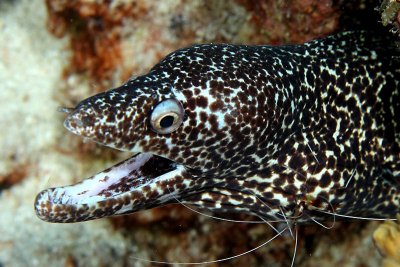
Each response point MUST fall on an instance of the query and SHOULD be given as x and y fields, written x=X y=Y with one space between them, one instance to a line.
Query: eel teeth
x=117 y=190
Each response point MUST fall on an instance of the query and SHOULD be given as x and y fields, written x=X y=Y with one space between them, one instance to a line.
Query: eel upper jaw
x=142 y=181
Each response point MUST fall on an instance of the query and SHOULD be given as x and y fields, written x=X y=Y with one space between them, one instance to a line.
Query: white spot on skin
x=178 y=95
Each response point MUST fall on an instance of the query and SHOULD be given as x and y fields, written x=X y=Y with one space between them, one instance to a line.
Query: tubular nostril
x=65 y=110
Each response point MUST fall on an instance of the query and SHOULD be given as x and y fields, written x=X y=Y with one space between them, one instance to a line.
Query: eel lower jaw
x=139 y=182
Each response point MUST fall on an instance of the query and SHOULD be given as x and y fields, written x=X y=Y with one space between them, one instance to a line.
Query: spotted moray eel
x=273 y=131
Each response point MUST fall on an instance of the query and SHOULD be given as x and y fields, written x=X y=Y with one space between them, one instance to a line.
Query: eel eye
x=167 y=116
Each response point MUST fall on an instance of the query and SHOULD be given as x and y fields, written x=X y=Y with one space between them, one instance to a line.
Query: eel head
x=184 y=150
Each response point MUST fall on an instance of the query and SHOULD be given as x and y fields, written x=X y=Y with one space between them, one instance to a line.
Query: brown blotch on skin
x=296 y=162
x=216 y=105
x=201 y=101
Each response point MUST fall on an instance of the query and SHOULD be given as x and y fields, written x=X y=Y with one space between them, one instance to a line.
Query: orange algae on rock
x=95 y=28
x=293 y=21
x=387 y=240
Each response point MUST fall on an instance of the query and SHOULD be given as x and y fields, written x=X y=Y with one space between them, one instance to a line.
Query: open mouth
x=123 y=188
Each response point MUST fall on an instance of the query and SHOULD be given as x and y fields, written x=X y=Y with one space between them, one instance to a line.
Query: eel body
x=294 y=131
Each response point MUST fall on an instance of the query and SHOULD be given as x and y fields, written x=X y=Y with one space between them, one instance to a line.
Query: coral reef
x=292 y=21
x=110 y=40
x=95 y=29
x=387 y=240
x=390 y=14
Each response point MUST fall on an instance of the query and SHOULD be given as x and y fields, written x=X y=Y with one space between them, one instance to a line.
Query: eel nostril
x=65 y=110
